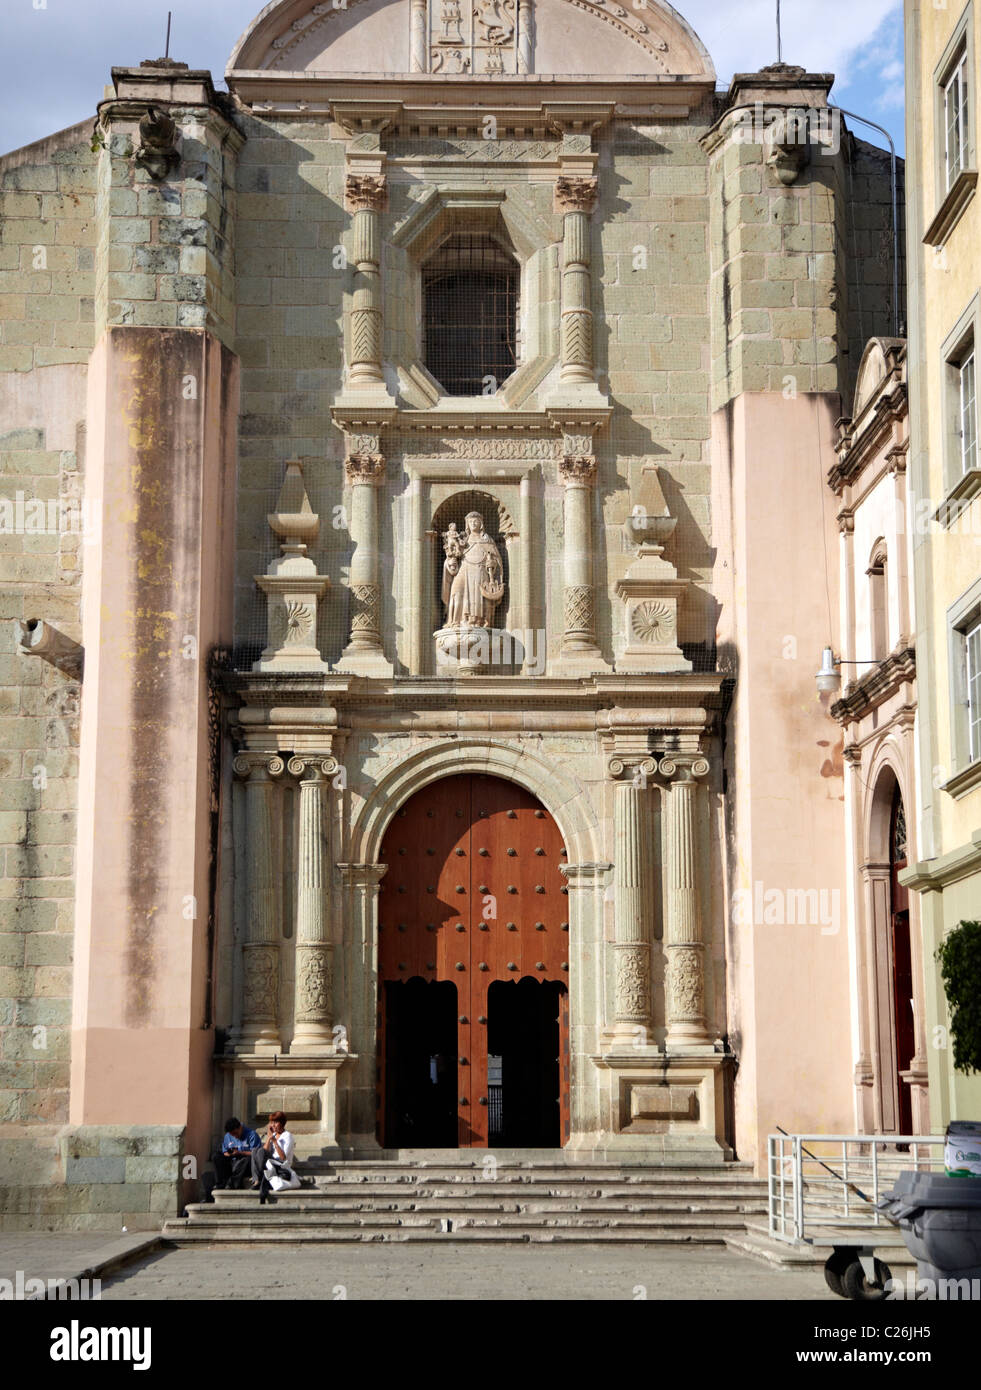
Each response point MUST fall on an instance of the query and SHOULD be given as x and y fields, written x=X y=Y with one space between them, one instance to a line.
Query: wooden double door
x=473 y=956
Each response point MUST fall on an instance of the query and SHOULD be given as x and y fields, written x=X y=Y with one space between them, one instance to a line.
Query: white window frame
x=968 y=408
x=972 y=653
x=957 y=119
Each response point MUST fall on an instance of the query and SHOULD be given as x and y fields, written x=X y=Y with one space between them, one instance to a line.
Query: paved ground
x=463 y=1272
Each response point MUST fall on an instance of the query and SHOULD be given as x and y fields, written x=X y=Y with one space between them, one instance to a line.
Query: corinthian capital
x=575 y=193
x=578 y=470
x=365 y=192
x=364 y=468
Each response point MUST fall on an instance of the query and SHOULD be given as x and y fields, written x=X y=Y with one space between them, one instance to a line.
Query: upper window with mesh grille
x=470 y=314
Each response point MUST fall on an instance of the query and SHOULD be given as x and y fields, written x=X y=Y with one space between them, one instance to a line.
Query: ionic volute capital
x=258 y=767
x=683 y=768
x=632 y=768
x=312 y=770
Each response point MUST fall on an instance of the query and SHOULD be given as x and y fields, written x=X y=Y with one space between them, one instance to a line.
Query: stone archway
x=889 y=951
x=473 y=897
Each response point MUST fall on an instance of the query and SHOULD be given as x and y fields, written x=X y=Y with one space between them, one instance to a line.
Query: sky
x=59 y=52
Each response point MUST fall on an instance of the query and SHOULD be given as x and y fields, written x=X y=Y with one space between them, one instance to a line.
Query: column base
x=357 y=661
x=679 y=1099
x=578 y=661
x=304 y=1087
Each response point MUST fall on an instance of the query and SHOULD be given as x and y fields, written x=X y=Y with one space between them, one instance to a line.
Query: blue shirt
x=246 y=1141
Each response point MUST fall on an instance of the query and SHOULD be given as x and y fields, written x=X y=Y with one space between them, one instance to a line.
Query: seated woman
x=272 y=1165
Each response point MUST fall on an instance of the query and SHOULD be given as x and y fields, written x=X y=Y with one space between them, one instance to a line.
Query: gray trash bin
x=940 y=1218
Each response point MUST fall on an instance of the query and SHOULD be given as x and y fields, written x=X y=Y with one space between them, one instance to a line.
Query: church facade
x=417 y=728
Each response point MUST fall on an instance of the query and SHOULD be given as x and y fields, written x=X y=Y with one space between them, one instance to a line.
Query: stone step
x=326 y=1203
x=181 y=1233
x=513 y=1172
x=283 y=1215
x=475 y=1186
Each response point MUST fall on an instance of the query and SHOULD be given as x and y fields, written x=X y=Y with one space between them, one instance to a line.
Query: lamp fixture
x=828 y=679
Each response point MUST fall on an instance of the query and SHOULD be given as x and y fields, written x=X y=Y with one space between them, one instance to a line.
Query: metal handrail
x=841 y=1185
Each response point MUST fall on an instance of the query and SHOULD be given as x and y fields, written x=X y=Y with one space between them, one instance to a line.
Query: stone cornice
x=858 y=440
x=429 y=102
x=876 y=686
x=933 y=875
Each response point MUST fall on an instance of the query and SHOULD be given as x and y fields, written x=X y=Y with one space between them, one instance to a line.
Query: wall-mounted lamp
x=828 y=679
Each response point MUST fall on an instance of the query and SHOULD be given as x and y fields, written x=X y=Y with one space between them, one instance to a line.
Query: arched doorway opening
x=902 y=963
x=473 y=970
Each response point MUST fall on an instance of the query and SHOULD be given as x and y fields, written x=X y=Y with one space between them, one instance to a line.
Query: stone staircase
x=510 y=1201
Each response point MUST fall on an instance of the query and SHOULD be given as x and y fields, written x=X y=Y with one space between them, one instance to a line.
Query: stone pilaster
x=366 y=198
x=364 y=468
x=314 y=953
x=632 y=898
x=260 y=951
x=576 y=197
x=686 y=1017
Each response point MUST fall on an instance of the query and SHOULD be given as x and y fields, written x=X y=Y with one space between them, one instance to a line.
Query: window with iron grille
x=470 y=314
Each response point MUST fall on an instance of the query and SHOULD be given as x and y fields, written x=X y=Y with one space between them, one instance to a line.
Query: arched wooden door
x=473 y=896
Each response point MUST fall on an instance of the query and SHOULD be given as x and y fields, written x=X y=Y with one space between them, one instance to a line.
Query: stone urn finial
x=292 y=585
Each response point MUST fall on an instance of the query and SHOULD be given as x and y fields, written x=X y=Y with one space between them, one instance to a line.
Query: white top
x=286 y=1144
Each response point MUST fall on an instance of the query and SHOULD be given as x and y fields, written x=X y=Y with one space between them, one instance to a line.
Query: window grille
x=470 y=314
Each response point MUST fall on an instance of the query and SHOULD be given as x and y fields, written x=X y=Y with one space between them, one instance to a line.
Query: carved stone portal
x=473 y=586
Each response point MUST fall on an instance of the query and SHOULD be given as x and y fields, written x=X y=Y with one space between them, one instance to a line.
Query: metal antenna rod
x=170 y=12
x=779 y=36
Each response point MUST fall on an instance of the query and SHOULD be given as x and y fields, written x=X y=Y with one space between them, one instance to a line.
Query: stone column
x=576 y=197
x=524 y=36
x=366 y=197
x=686 y=1017
x=365 y=471
x=418 y=41
x=632 y=898
x=578 y=474
x=314 y=953
x=260 y=951
x=361 y=884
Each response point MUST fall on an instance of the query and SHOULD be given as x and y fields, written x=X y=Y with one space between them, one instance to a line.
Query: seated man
x=233 y=1157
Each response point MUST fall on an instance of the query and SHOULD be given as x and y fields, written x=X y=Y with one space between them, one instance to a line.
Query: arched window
x=879 y=602
x=470 y=314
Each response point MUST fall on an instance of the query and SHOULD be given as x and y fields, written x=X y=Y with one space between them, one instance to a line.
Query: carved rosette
x=653 y=621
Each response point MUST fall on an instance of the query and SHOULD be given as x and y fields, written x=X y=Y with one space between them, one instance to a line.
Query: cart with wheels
x=824 y=1193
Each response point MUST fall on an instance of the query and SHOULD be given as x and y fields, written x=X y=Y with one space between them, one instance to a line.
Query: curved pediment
x=481 y=38
x=876 y=364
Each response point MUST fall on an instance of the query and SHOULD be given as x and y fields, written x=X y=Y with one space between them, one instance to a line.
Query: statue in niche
x=473 y=575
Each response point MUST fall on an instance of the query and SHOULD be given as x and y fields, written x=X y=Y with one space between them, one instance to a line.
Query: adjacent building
x=942 y=52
